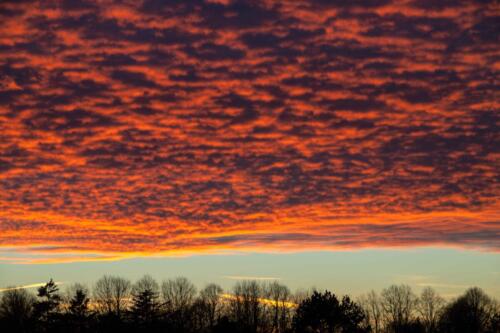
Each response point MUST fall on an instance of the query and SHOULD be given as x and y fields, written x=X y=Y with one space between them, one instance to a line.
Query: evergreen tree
x=79 y=304
x=49 y=300
x=47 y=306
x=145 y=306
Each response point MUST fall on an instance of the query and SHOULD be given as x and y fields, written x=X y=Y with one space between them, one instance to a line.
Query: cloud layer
x=172 y=127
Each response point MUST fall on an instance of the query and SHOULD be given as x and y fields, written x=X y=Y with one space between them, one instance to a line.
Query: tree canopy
x=115 y=304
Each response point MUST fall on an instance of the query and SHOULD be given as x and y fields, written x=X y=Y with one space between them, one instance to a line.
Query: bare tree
x=301 y=295
x=372 y=307
x=493 y=322
x=210 y=296
x=112 y=294
x=398 y=304
x=146 y=283
x=178 y=293
x=103 y=294
x=16 y=307
x=429 y=306
x=245 y=306
x=280 y=298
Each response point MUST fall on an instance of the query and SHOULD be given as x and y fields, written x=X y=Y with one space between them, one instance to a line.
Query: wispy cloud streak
x=28 y=286
x=256 y=278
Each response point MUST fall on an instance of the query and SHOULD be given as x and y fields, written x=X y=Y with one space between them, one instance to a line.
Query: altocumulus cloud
x=177 y=127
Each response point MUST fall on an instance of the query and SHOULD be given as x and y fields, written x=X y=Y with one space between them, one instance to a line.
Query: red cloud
x=247 y=126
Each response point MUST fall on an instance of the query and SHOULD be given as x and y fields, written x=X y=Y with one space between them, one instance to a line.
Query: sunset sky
x=224 y=138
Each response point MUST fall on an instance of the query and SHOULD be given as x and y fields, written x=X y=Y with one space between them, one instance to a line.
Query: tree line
x=115 y=304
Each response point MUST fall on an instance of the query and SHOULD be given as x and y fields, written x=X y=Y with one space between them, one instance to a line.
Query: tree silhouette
x=372 y=307
x=245 y=305
x=472 y=312
x=78 y=309
x=226 y=325
x=494 y=324
x=323 y=313
x=250 y=307
x=111 y=294
x=178 y=295
x=46 y=307
x=16 y=309
x=79 y=304
x=111 y=299
x=145 y=306
x=210 y=297
x=398 y=303
x=279 y=295
x=429 y=305
x=49 y=300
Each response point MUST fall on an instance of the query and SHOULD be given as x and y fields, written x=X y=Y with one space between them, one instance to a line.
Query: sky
x=137 y=132
x=448 y=271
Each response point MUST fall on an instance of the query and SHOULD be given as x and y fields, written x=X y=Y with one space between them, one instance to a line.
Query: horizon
x=380 y=269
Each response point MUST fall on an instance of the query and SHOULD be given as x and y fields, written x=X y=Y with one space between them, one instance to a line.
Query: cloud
x=28 y=286
x=180 y=127
x=256 y=278
x=230 y=297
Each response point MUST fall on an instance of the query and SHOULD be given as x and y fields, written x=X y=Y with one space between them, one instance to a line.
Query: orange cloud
x=230 y=126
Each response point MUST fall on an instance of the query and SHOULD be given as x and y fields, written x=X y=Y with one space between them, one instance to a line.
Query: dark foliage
x=322 y=312
x=472 y=312
x=250 y=307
